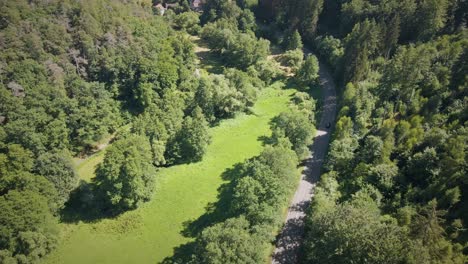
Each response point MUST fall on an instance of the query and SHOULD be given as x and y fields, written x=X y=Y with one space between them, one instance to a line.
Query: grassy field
x=85 y=167
x=150 y=233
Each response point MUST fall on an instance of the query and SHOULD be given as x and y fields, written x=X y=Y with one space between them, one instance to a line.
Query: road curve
x=290 y=239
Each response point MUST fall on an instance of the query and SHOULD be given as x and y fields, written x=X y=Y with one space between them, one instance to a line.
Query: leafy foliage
x=229 y=242
x=125 y=178
x=307 y=75
x=192 y=139
x=400 y=116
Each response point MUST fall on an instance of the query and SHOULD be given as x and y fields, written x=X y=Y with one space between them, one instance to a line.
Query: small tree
x=125 y=178
x=293 y=59
x=294 y=41
x=308 y=73
x=191 y=141
x=297 y=127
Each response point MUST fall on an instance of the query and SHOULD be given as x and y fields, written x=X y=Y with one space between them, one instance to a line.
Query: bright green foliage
x=400 y=118
x=160 y=122
x=246 y=50
x=307 y=75
x=266 y=70
x=305 y=104
x=293 y=58
x=349 y=95
x=426 y=226
x=245 y=84
x=125 y=179
x=266 y=180
x=326 y=194
x=293 y=41
x=191 y=141
x=344 y=128
x=247 y=20
x=218 y=98
x=297 y=127
x=331 y=50
x=188 y=21
x=341 y=153
x=230 y=242
x=219 y=9
x=237 y=49
x=16 y=159
x=259 y=191
x=431 y=17
x=349 y=233
x=181 y=195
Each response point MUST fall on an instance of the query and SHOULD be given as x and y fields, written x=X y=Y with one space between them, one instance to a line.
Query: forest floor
x=150 y=233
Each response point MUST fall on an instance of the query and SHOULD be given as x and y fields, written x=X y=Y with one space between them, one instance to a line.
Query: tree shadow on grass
x=84 y=206
x=266 y=140
x=183 y=254
x=215 y=213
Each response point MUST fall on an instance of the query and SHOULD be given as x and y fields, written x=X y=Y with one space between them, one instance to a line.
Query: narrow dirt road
x=290 y=239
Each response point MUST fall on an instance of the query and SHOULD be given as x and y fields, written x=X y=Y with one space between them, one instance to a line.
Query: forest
x=125 y=79
x=395 y=188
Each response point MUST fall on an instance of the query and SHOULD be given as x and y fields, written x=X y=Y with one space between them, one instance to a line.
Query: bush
x=293 y=41
x=293 y=59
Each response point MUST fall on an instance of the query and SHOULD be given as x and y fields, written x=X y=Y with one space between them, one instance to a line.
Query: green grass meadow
x=150 y=233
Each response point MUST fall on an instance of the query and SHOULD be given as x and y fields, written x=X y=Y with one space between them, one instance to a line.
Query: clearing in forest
x=150 y=233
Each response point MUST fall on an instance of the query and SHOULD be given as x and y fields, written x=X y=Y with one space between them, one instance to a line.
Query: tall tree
x=310 y=17
x=360 y=45
x=294 y=41
x=431 y=17
x=191 y=142
x=125 y=178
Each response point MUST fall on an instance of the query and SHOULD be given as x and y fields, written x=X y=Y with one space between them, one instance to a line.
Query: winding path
x=290 y=239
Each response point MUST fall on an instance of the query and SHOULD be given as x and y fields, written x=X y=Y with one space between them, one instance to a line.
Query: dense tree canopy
x=400 y=114
x=230 y=242
x=76 y=74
